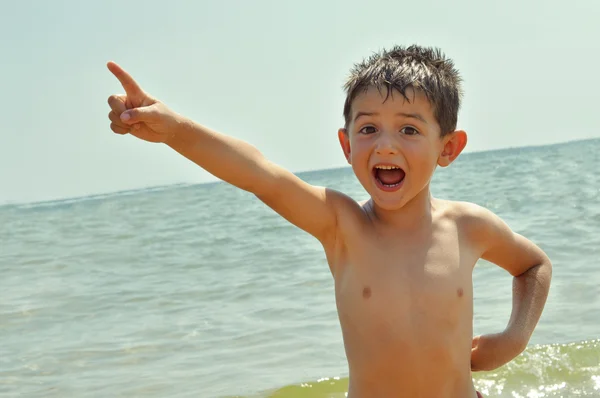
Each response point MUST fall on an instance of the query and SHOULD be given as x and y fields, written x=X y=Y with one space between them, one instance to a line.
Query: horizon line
x=217 y=181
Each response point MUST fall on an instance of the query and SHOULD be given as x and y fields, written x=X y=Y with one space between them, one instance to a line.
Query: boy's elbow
x=265 y=180
x=546 y=265
x=255 y=175
x=548 y=268
x=541 y=272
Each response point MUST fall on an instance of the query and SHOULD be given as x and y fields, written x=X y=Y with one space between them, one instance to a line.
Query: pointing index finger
x=131 y=87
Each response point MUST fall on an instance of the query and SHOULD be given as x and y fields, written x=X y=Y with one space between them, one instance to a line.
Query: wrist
x=176 y=132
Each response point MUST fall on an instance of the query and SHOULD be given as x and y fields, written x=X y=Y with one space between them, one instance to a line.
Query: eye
x=408 y=130
x=367 y=130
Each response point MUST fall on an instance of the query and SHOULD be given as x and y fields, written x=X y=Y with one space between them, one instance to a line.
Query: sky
x=270 y=73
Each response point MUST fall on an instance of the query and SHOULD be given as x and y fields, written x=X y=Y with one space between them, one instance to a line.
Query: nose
x=385 y=145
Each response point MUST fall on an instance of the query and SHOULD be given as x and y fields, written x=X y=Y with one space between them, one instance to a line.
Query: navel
x=366 y=292
x=460 y=292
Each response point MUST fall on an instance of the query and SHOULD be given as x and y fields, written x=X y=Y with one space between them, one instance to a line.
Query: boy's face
x=394 y=145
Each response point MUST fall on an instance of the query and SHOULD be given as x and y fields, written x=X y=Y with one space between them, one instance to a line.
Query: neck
x=411 y=215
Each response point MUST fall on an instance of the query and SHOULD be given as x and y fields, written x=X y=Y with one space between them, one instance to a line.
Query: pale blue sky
x=270 y=72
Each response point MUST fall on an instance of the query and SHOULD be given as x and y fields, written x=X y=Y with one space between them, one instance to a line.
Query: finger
x=137 y=115
x=118 y=103
x=113 y=117
x=474 y=360
x=129 y=84
x=119 y=129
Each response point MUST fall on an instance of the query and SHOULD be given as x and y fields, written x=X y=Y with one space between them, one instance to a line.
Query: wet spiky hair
x=420 y=68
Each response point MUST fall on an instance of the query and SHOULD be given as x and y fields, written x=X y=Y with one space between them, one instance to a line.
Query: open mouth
x=388 y=177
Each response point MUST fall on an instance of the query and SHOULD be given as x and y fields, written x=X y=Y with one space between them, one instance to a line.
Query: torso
x=405 y=306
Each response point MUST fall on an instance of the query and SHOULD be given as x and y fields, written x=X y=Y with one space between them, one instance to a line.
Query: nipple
x=366 y=292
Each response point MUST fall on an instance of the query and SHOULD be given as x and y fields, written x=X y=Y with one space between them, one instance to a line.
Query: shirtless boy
x=402 y=261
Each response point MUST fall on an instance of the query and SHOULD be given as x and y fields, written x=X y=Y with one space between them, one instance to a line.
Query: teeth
x=386 y=167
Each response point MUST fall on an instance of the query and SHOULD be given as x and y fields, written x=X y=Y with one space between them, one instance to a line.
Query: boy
x=402 y=261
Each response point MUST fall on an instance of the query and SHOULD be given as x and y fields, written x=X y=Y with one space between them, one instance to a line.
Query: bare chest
x=404 y=284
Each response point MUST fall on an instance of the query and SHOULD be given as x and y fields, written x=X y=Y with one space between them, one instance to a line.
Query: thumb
x=137 y=115
x=475 y=356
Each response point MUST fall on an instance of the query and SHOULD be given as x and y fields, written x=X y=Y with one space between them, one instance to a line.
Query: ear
x=345 y=143
x=453 y=144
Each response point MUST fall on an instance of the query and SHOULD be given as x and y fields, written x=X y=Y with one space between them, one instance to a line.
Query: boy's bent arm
x=526 y=262
x=237 y=162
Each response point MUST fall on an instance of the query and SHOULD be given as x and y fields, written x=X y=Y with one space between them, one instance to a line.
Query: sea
x=203 y=291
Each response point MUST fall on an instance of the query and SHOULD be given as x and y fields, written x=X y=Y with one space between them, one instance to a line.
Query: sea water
x=203 y=291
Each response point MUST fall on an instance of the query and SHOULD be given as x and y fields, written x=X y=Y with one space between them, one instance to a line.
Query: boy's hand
x=491 y=351
x=138 y=113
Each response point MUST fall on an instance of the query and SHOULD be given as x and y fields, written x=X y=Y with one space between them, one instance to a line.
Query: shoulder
x=350 y=217
x=342 y=204
x=477 y=223
x=346 y=209
x=470 y=214
x=495 y=241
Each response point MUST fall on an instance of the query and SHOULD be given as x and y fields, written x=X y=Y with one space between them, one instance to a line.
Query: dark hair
x=416 y=67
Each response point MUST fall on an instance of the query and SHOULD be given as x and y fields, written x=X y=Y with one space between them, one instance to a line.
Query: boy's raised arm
x=309 y=207
x=232 y=160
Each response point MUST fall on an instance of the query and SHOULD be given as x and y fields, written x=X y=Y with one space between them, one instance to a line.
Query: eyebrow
x=409 y=115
